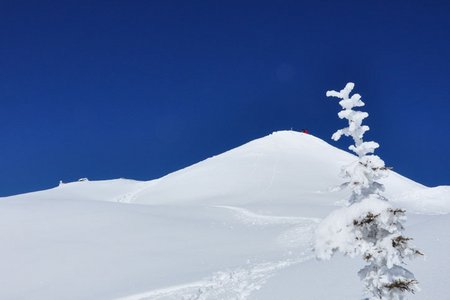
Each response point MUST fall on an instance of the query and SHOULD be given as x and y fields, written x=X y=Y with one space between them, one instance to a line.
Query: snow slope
x=235 y=226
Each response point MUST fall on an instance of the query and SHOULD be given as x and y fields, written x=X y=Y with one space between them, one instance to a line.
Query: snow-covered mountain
x=235 y=226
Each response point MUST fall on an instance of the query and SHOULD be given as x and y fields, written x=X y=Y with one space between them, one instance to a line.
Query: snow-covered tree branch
x=369 y=227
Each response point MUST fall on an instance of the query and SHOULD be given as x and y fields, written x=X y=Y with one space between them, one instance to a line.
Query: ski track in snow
x=252 y=218
x=126 y=198
x=131 y=196
x=238 y=284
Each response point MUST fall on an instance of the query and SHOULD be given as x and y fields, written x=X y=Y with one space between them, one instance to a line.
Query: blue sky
x=138 y=89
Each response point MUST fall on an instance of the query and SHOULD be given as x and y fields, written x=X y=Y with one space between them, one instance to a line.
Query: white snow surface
x=239 y=225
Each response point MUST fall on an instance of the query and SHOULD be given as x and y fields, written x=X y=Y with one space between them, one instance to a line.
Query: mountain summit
x=284 y=167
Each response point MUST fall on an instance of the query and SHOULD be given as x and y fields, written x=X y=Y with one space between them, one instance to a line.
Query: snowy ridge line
x=236 y=284
x=252 y=218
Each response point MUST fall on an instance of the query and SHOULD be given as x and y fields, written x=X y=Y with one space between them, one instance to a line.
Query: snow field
x=239 y=225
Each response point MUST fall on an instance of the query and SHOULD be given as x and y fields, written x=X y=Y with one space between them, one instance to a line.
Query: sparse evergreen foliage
x=369 y=227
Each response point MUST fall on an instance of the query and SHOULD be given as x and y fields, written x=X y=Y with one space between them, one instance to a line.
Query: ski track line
x=236 y=284
x=252 y=218
x=131 y=196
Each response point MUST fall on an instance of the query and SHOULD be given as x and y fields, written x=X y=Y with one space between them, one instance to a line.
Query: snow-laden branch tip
x=344 y=93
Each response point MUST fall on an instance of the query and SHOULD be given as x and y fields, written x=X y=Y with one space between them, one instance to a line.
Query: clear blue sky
x=138 y=89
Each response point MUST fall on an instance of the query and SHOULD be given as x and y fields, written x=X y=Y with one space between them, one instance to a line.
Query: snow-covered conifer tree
x=369 y=226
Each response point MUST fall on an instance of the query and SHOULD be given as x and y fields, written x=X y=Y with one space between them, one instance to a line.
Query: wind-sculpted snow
x=236 y=226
